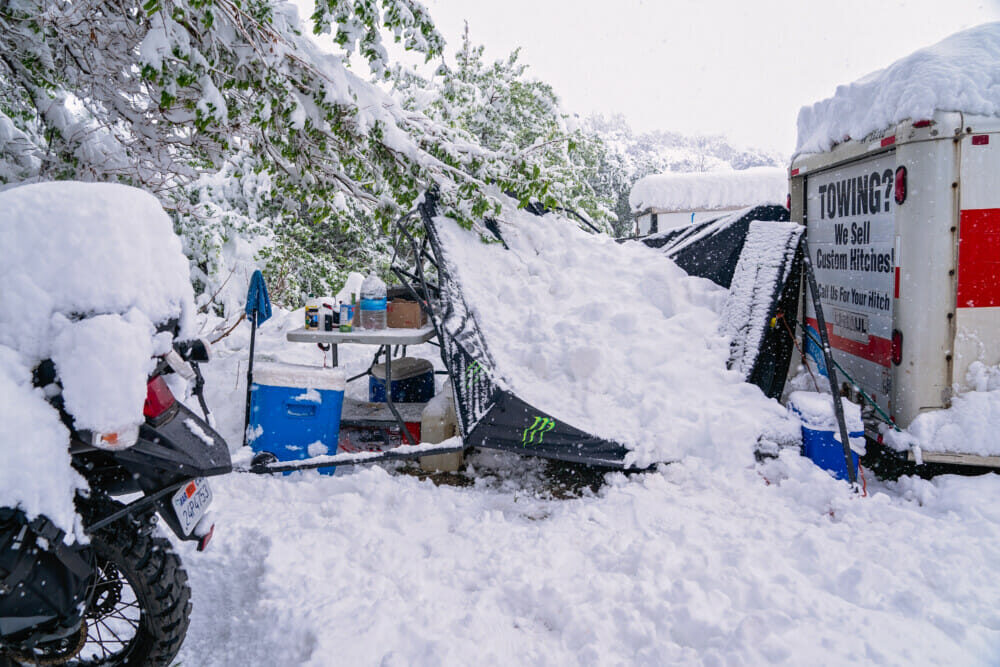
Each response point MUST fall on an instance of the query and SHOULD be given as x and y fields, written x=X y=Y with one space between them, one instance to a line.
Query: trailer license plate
x=191 y=502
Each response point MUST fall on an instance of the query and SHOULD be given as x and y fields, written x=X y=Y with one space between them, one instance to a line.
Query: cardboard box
x=405 y=315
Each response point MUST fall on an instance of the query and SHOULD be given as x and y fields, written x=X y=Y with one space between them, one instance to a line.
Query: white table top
x=362 y=336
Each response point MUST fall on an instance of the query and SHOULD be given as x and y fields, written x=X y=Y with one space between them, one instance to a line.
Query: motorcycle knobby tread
x=161 y=585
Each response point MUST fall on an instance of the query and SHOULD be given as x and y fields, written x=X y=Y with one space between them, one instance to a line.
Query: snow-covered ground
x=695 y=563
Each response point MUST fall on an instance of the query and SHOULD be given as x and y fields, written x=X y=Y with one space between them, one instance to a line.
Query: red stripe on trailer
x=980 y=139
x=979 y=258
x=889 y=141
x=877 y=350
x=795 y=172
x=896 y=287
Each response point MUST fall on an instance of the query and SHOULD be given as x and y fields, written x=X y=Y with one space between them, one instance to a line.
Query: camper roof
x=709 y=191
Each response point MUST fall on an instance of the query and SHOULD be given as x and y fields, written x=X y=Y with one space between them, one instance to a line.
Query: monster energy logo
x=472 y=372
x=540 y=427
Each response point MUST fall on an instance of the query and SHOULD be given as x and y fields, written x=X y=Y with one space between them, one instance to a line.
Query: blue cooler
x=295 y=410
x=821 y=434
x=412 y=381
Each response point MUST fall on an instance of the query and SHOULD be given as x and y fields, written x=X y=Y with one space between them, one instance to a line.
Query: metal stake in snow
x=258 y=310
x=831 y=371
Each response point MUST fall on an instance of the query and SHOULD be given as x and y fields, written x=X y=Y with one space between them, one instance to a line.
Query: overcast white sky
x=737 y=67
x=741 y=68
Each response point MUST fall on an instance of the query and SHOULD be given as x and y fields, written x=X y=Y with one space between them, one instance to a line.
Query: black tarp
x=711 y=249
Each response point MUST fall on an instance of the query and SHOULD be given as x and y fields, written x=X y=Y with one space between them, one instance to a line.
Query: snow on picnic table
x=696 y=563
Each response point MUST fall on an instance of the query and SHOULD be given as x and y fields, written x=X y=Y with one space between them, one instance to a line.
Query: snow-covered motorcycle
x=123 y=598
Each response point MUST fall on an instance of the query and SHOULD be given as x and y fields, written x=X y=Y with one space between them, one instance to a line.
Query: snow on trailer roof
x=712 y=191
x=959 y=73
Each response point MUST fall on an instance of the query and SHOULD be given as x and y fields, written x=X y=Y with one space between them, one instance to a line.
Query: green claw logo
x=472 y=372
x=540 y=427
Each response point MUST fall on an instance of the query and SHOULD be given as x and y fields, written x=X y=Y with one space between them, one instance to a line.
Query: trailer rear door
x=850 y=221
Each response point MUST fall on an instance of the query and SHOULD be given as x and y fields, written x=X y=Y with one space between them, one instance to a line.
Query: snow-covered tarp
x=715 y=190
x=712 y=249
x=959 y=73
x=611 y=338
x=87 y=272
x=765 y=265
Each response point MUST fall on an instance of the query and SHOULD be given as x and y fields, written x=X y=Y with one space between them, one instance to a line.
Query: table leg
x=388 y=397
x=333 y=354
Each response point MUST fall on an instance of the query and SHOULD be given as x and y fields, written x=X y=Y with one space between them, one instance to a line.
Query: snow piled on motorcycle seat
x=614 y=339
x=959 y=73
x=87 y=270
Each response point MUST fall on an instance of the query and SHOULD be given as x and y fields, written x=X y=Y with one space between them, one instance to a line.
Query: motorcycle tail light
x=206 y=538
x=158 y=398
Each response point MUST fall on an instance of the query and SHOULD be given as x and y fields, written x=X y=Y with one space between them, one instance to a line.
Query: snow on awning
x=712 y=191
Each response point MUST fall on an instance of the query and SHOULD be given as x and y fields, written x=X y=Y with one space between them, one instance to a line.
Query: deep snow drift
x=611 y=338
x=87 y=270
x=696 y=563
x=713 y=190
x=959 y=73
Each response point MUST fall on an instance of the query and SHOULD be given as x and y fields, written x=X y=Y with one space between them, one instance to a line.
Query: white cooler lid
x=298 y=376
x=816 y=411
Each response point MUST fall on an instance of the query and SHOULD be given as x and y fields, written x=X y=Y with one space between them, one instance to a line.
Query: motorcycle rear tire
x=153 y=570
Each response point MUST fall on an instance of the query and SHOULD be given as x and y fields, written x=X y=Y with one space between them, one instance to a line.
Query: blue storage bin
x=412 y=381
x=820 y=431
x=295 y=410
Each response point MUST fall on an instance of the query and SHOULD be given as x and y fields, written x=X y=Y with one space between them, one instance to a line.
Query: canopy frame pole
x=831 y=369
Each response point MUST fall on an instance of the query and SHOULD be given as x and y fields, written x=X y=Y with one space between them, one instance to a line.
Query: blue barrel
x=821 y=433
x=412 y=381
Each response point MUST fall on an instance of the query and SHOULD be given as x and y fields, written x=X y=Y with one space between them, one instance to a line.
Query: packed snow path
x=696 y=563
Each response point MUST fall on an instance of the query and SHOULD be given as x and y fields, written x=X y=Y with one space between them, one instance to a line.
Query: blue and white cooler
x=295 y=410
x=821 y=434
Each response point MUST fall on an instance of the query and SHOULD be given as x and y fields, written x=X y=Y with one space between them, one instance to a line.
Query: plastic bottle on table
x=373 y=303
x=313 y=316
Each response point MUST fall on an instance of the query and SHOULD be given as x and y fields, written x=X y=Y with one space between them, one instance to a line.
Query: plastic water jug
x=373 y=303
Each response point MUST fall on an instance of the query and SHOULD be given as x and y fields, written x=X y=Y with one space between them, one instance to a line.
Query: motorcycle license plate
x=191 y=502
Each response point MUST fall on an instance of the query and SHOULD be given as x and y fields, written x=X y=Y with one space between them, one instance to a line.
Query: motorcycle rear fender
x=181 y=447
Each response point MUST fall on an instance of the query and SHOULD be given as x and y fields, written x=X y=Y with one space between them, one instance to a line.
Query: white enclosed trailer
x=903 y=231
